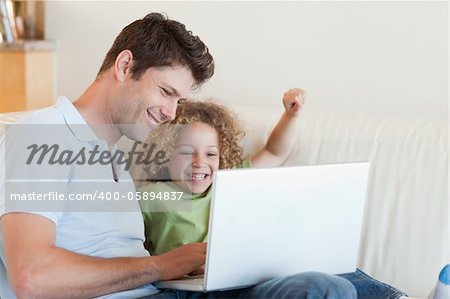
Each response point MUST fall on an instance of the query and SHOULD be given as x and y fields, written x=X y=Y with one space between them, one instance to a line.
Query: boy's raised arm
x=284 y=135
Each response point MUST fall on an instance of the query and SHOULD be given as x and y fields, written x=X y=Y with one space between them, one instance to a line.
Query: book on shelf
x=7 y=21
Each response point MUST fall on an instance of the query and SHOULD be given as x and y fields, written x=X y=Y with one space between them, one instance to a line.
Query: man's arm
x=284 y=135
x=38 y=269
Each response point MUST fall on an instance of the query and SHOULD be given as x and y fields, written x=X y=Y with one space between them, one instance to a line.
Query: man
x=153 y=64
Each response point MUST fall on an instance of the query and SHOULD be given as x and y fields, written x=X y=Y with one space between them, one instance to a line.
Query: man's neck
x=93 y=107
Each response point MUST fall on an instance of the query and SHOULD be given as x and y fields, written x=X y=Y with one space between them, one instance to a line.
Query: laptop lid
x=266 y=223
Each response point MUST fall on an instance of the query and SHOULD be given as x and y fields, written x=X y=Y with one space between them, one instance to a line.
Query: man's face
x=141 y=105
x=195 y=158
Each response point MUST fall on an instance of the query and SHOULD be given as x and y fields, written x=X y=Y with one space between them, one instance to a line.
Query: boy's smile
x=195 y=158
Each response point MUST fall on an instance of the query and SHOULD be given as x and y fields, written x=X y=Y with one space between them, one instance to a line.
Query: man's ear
x=124 y=62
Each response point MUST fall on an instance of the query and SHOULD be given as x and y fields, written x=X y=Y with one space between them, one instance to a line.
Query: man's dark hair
x=156 y=41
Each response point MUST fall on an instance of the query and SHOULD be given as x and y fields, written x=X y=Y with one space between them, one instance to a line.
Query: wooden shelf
x=27 y=77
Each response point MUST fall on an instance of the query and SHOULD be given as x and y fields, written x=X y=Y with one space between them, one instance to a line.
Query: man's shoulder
x=46 y=116
x=56 y=114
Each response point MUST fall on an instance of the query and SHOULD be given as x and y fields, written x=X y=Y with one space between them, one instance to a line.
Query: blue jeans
x=370 y=288
x=308 y=285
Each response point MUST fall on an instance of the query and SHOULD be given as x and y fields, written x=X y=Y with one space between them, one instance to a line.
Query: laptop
x=267 y=223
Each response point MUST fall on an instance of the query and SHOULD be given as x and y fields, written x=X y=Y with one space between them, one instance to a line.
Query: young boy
x=208 y=141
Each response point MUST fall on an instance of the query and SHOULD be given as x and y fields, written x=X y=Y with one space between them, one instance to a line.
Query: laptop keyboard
x=192 y=277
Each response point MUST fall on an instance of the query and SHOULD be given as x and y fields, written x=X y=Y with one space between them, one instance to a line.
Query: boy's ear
x=123 y=65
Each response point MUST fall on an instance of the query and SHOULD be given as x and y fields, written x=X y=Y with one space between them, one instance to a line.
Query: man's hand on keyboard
x=180 y=261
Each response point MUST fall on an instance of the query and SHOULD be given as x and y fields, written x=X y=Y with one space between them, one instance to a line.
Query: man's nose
x=169 y=110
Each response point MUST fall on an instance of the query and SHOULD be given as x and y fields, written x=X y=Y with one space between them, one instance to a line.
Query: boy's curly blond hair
x=223 y=120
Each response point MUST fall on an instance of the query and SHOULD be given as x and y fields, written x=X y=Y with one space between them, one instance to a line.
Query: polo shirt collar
x=75 y=120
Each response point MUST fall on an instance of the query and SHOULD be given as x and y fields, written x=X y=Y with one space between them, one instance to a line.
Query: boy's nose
x=198 y=161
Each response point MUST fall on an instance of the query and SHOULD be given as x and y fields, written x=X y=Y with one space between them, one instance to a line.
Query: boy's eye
x=212 y=154
x=186 y=153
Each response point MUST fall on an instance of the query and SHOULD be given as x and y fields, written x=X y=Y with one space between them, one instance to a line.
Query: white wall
x=380 y=57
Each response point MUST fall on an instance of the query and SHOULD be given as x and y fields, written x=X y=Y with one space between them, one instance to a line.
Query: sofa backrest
x=406 y=229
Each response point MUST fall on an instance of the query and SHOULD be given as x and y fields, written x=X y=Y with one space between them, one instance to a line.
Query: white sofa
x=406 y=229
x=405 y=233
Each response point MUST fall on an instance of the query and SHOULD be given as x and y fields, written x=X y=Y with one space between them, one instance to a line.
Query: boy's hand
x=293 y=101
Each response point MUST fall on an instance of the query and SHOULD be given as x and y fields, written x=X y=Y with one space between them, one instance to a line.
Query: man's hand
x=43 y=270
x=180 y=261
x=293 y=101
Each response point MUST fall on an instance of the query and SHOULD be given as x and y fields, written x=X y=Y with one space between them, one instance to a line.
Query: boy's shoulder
x=246 y=163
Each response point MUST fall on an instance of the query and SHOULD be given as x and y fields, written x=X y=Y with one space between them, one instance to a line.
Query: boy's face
x=195 y=158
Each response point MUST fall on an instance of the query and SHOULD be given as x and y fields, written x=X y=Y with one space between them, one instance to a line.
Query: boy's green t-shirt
x=165 y=231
